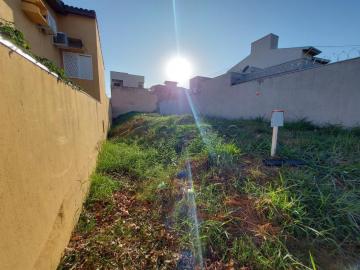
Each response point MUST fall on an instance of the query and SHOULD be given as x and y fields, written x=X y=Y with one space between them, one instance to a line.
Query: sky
x=139 y=37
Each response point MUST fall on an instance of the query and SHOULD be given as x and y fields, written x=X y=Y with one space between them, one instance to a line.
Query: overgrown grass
x=249 y=215
x=130 y=160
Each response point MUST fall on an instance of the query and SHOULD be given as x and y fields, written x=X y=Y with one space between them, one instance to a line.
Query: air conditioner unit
x=61 y=40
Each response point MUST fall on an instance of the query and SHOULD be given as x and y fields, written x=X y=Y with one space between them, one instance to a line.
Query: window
x=78 y=66
x=119 y=83
x=51 y=23
x=141 y=85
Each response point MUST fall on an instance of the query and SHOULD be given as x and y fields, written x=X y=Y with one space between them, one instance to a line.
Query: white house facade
x=123 y=79
x=266 y=53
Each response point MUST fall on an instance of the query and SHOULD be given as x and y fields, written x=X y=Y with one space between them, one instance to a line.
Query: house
x=266 y=53
x=266 y=59
x=66 y=35
x=123 y=79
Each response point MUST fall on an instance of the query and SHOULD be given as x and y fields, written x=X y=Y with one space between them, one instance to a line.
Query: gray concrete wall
x=129 y=99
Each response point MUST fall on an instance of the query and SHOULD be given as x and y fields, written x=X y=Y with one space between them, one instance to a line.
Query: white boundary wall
x=328 y=94
x=131 y=99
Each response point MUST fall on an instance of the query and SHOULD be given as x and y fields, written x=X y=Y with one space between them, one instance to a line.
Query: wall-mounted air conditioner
x=61 y=40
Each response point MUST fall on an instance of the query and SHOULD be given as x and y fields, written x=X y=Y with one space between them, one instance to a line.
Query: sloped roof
x=61 y=8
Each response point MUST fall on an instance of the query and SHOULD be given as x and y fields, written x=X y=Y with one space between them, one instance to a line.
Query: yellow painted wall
x=41 y=44
x=49 y=139
x=101 y=65
x=85 y=29
x=75 y=26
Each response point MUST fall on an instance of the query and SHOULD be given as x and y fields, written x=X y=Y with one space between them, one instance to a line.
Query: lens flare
x=179 y=69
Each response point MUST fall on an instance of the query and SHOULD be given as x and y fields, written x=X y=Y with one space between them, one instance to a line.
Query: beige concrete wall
x=325 y=94
x=178 y=106
x=49 y=139
x=173 y=100
x=129 y=99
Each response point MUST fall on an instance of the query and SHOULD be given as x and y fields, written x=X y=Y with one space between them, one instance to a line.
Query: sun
x=179 y=69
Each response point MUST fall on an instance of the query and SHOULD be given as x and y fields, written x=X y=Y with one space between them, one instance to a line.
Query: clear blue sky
x=138 y=35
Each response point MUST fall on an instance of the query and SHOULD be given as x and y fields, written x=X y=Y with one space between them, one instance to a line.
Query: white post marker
x=277 y=120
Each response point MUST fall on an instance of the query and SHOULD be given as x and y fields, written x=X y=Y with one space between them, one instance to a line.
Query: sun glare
x=179 y=69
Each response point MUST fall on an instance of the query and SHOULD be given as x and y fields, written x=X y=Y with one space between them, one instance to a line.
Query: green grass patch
x=129 y=160
x=102 y=188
